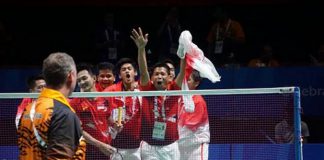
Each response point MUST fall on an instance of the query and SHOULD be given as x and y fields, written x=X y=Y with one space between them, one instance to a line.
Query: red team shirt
x=129 y=137
x=98 y=87
x=94 y=117
x=196 y=119
x=171 y=115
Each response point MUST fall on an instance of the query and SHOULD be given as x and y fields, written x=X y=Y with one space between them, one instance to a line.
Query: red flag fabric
x=195 y=59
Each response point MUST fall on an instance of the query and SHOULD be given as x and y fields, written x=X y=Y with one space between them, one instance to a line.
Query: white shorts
x=126 y=154
x=194 y=152
x=152 y=152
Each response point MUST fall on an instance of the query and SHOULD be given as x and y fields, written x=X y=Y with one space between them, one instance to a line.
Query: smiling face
x=86 y=81
x=160 y=78
x=127 y=73
x=172 y=71
x=39 y=86
x=106 y=78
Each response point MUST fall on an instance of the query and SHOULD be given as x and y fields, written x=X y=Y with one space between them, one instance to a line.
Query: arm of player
x=115 y=129
x=181 y=73
x=104 y=148
x=141 y=40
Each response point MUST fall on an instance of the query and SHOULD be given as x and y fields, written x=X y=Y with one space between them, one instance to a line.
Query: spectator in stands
x=94 y=114
x=194 y=135
x=106 y=76
x=109 y=40
x=265 y=58
x=49 y=128
x=126 y=136
x=225 y=39
x=284 y=130
x=168 y=35
x=35 y=85
x=160 y=127
x=318 y=58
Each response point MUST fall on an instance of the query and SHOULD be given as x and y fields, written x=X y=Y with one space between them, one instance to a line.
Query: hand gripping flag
x=195 y=59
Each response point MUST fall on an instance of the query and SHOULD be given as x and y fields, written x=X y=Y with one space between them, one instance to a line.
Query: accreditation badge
x=173 y=48
x=218 y=47
x=112 y=53
x=115 y=114
x=159 y=130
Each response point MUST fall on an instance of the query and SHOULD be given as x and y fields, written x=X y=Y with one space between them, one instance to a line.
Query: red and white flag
x=195 y=59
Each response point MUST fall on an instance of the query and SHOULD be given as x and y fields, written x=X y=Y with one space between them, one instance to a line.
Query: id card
x=112 y=53
x=159 y=130
x=218 y=47
x=115 y=114
x=173 y=48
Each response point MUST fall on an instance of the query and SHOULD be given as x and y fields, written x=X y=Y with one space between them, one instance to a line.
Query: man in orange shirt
x=49 y=128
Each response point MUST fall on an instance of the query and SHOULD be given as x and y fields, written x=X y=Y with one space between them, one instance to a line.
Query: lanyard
x=38 y=137
x=170 y=33
x=107 y=34
x=156 y=110
x=134 y=98
x=133 y=104
x=226 y=29
x=19 y=114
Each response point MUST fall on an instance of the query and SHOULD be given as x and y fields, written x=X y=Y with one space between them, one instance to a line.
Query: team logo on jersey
x=101 y=107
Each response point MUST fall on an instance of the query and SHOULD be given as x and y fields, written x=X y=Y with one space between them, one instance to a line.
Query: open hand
x=139 y=39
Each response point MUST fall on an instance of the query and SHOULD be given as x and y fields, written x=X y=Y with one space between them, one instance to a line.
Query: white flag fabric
x=195 y=59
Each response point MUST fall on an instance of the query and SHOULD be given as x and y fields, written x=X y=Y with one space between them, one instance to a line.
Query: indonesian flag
x=195 y=59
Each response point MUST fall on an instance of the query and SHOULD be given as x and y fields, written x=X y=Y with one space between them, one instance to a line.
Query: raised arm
x=181 y=73
x=141 y=40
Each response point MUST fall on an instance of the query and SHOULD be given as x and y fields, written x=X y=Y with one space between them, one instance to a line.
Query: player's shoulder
x=44 y=104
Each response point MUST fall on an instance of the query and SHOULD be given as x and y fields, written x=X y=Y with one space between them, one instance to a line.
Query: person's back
x=49 y=128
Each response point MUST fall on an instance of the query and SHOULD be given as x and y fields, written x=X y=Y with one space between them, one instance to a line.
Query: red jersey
x=129 y=137
x=99 y=88
x=194 y=127
x=94 y=117
x=170 y=105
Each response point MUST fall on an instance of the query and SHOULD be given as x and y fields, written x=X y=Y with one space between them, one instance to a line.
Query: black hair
x=159 y=64
x=123 y=61
x=105 y=65
x=168 y=61
x=196 y=76
x=32 y=79
x=86 y=66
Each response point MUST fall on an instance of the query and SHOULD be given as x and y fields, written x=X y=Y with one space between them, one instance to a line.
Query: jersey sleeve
x=64 y=133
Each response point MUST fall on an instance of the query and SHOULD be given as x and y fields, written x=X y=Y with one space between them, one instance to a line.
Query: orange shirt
x=232 y=29
x=57 y=125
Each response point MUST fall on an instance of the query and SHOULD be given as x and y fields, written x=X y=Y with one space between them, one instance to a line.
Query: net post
x=297 y=124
